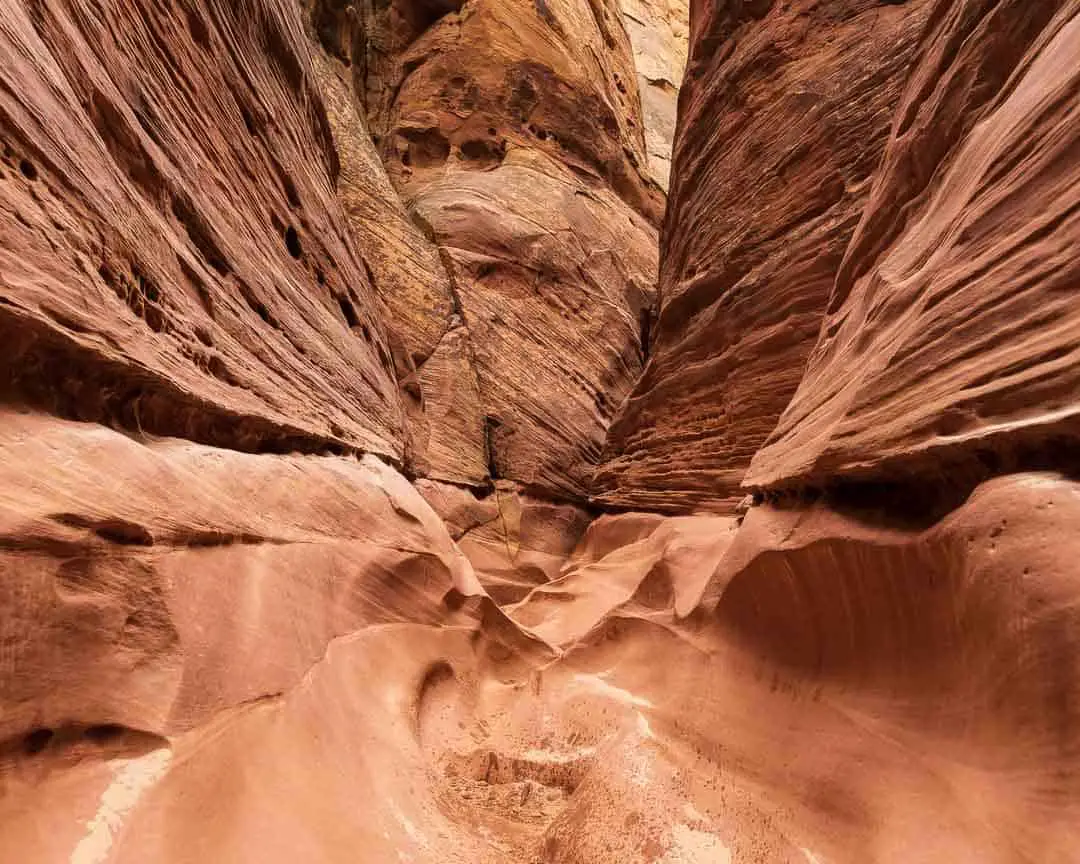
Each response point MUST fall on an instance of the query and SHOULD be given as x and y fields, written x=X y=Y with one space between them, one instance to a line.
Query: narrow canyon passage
x=539 y=431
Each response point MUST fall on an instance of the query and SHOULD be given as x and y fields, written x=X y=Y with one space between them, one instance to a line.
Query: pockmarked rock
x=514 y=133
x=174 y=257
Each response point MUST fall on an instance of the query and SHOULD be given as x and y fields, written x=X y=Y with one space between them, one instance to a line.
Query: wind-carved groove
x=121 y=532
x=915 y=492
x=35 y=372
x=116 y=531
x=109 y=740
x=199 y=233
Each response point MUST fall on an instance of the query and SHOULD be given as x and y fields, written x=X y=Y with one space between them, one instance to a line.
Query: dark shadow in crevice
x=917 y=492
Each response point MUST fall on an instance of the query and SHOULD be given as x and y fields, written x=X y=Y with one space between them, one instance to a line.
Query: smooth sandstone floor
x=800 y=687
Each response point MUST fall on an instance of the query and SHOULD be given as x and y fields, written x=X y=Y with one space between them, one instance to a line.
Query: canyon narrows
x=443 y=431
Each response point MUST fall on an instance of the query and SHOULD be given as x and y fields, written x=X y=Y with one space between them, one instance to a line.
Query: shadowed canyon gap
x=442 y=431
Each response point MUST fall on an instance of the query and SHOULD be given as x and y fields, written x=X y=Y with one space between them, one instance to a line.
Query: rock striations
x=174 y=257
x=390 y=471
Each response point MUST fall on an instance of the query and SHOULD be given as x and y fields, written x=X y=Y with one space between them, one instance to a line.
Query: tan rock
x=553 y=318
x=658 y=31
x=433 y=362
x=514 y=132
x=513 y=540
x=213 y=655
x=627 y=564
x=154 y=585
x=557 y=77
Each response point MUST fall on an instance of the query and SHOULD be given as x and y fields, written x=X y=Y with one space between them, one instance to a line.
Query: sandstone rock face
x=427 y=338
x=513 y=540
x=554 y=321
x=953 y=327
x=514 y=133
x=786 y=112
x=658 y=34
x=138 y=594
x=216 y=648
x=169 y=229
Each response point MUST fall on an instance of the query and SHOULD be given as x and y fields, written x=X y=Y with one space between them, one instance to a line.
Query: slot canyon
x=539 y=431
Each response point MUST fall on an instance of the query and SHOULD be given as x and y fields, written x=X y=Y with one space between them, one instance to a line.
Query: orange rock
x=174 y=257
x=435 y=651
x=952 y=328
x=514 y=132
x=785 y=114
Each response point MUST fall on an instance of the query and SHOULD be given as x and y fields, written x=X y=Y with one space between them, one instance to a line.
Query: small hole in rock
x=348 y=311
x=103 y=733
x=406 y=159
x=291 y=193
x=249 y=120
x=292 y=242
x=37 y=741
x=28 y=170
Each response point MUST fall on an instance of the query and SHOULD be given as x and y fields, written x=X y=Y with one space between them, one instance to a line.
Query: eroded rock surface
x=514 y=133
x=174 y=258
x=137 y=592
x=786 y=112
x=438 y=650
x=953 y=329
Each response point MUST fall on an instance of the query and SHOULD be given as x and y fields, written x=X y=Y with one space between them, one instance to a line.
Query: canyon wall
x=857 y=189
x=388 y=469
x=174 y=257
x=514 y=135
x=786 y=113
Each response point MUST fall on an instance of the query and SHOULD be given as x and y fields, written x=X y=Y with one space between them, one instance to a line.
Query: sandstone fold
x=513 y=541
x=174 y=257
x=154 y=585
x=362 y=496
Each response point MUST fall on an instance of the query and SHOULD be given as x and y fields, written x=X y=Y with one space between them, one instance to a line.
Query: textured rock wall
x=861 y=177
x=214 y=655
x=786 y=110
x=952 y=334
x=174 y=257
x=514 y=134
